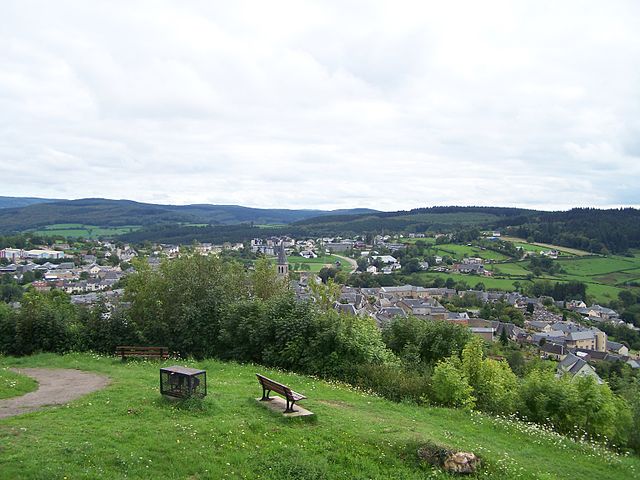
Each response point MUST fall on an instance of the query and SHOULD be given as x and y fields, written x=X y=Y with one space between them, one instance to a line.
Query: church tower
x=283 y=264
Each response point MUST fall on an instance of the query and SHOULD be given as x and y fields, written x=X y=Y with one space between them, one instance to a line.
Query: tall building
x=283 y=264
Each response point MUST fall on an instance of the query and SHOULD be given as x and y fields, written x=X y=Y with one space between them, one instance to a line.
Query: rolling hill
x=15 y=202
x=103 y=212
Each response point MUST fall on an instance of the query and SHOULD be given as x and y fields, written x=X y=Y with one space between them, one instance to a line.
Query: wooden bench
x=269 y=385
x=125 y=352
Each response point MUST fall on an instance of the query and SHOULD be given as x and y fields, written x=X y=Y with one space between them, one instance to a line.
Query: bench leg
x=265 y=395
x=290 y=408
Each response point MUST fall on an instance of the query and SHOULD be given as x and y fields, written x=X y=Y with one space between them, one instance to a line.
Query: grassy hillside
x=77 y=230
x=128 y=430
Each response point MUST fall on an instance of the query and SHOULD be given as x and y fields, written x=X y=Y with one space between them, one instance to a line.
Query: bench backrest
x=274 y=386
x=142 y=351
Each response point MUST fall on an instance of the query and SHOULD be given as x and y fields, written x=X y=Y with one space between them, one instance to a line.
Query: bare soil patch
x=57 y=386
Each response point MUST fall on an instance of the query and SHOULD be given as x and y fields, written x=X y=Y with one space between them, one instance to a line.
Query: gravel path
x=57 y=386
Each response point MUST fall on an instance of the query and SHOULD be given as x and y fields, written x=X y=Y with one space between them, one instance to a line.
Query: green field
x=316 y=264
x=412 y=241
x=591 y=266
x=461 y=251
x=605 y=277
x=537 y=247
x=490 y=283
x=515 y=269
x=13 y=384
x=77 y=230
x=129 y=431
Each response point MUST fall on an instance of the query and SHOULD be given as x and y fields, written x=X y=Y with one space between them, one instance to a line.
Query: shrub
x=390 y=381
x=432 y=340
x=449 y=386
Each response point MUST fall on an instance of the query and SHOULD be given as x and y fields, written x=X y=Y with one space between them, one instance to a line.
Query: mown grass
x=78 y=230
x=460 y=251
x=516 y=269
x=317 y=264
x=490 y=283
x=13 y=384
x=128 y=431
x=537 y=247
x=590 y=266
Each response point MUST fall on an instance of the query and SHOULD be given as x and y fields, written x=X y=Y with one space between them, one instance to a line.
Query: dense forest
x=598 y=231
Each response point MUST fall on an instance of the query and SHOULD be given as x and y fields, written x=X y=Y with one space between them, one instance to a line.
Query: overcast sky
x=388 y=105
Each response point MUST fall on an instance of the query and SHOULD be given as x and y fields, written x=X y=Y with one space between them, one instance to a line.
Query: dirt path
x=57 y=386
x=351 y=261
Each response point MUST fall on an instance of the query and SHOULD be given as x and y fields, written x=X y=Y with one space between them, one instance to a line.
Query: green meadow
x=605 y=276
x=461 y=251
x=78 y=230
x=538 y=247
x=316 y=264
x=128 y=430
x=490 y=283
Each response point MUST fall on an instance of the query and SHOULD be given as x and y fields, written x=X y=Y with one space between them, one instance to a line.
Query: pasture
x=297 y=263
x=77 y=230
x=537 y=247
x=459 y=252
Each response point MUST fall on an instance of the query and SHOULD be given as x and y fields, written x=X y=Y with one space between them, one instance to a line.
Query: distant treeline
x=598 y=231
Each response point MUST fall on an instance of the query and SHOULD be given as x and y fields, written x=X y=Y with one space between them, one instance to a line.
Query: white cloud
x=322 y=104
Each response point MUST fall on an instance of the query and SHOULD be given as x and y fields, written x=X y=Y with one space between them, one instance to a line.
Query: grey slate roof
x=585 y=335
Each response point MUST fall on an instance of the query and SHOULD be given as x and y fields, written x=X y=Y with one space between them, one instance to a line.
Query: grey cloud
x=322 y=105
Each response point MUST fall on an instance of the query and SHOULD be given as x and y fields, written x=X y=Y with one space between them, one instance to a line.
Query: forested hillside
x=599 y=231
x=103 y=212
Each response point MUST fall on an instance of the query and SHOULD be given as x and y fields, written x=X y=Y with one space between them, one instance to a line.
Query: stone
x=449 y=460
x=461 y=462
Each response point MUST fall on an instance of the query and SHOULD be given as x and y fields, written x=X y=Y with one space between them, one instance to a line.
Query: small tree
x=504 y=340
x=450 y=387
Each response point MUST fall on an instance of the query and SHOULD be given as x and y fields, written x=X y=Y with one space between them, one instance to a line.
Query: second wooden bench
x=125 y=352
x=269 y=385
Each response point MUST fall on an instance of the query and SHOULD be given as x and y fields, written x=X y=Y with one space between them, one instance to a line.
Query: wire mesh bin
x=183 y=382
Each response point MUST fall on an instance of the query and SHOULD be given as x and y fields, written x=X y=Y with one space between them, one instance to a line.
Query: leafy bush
x=44 y=323
x=430 y=340
x=576 y=406
x=450 y=387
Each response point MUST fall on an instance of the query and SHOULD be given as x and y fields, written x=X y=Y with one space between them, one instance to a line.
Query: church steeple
x=283 y=264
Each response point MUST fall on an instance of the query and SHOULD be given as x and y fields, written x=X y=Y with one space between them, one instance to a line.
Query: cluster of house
x=384 y=264
x=573 y=345
x=577 y=347
x=70 y=278
x=472 y=265
x=17 y=254
x=78 y=274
